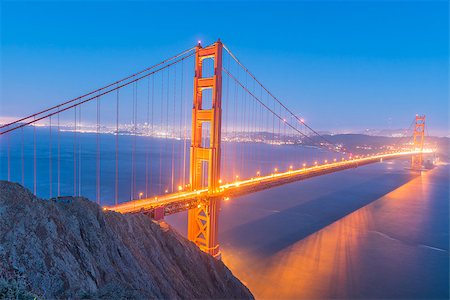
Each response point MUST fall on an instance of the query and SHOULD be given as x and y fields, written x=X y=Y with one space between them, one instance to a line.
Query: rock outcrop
x=74 y=249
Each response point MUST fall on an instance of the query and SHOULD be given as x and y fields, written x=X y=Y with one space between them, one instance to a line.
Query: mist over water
x=147 y=166
x=378 y=231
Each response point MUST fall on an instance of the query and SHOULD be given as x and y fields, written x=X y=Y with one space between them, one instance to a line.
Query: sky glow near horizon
x=343 y=66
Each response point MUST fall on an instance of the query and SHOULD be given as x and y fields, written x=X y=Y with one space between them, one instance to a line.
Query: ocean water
x=378 y=231
x=374 y=232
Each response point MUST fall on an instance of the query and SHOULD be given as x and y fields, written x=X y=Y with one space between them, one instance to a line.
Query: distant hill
x=353 y=141
x=74 y=249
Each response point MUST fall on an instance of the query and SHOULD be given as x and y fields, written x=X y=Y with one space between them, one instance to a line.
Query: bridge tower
x=419 y=136
x=203 y=219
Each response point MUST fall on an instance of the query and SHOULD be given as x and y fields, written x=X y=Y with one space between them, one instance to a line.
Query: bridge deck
x=176 y=202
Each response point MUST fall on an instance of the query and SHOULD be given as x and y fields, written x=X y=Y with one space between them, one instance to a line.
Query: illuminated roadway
x=183 y=200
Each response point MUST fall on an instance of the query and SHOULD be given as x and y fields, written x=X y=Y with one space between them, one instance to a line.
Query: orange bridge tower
x=205 y=156
x=419 y=135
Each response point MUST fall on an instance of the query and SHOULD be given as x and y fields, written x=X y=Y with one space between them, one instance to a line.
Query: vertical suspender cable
x=235 y=121
x=74 y=153
x=152 y=133
x=181 y=126
x=132 y=145
x=79 y=153
x=22 y=159
x=185 y=124
x=50 y=183
x=98 y=153
x=167 y=118
x=34 y=159
x=244 y=127
x=134 y=141
x=117 y=150
x=147 y=134
x=8 y=154
x=135 y=136
x=161 y=142
x=225 y=151
x=59 y=160
x=173 y=138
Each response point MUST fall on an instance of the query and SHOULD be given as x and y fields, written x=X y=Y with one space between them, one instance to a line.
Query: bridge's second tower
x=205 y=150
x=419 y=135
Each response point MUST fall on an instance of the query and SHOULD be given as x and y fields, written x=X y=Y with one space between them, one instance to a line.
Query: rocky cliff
x=74 y=249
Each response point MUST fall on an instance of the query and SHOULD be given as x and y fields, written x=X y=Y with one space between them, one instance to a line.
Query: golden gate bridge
x=173 y=151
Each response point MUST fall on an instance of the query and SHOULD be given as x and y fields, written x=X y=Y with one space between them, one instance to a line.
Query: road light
x=141 y=194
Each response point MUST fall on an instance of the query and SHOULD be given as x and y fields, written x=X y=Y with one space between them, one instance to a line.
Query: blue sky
x=342 y=65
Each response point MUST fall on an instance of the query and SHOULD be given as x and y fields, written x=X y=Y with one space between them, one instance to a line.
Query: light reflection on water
x=395 y=247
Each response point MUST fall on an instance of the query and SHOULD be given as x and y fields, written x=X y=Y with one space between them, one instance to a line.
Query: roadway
x=184 y=200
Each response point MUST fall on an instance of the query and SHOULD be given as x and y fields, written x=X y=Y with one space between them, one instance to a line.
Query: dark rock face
x=73 y=249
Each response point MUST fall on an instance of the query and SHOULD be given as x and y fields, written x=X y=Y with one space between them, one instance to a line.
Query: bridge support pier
x=203 y=227
x=204 y=156
x=158 y=214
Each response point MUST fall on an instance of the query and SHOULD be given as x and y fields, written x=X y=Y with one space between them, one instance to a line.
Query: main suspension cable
x=20 y=125
x=100 y=89
x=275 y=98
x=268 y=108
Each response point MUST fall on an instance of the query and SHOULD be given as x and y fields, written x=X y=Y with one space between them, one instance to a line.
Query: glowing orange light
x=304 y=165
x=180 y=188
x=166 y=191
x=290 y=167
x=226 y=198
x=276 y=170
x=220 y=180
x=199 y=206
x=258 y=173
x=315 y=162
x=326 y=161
